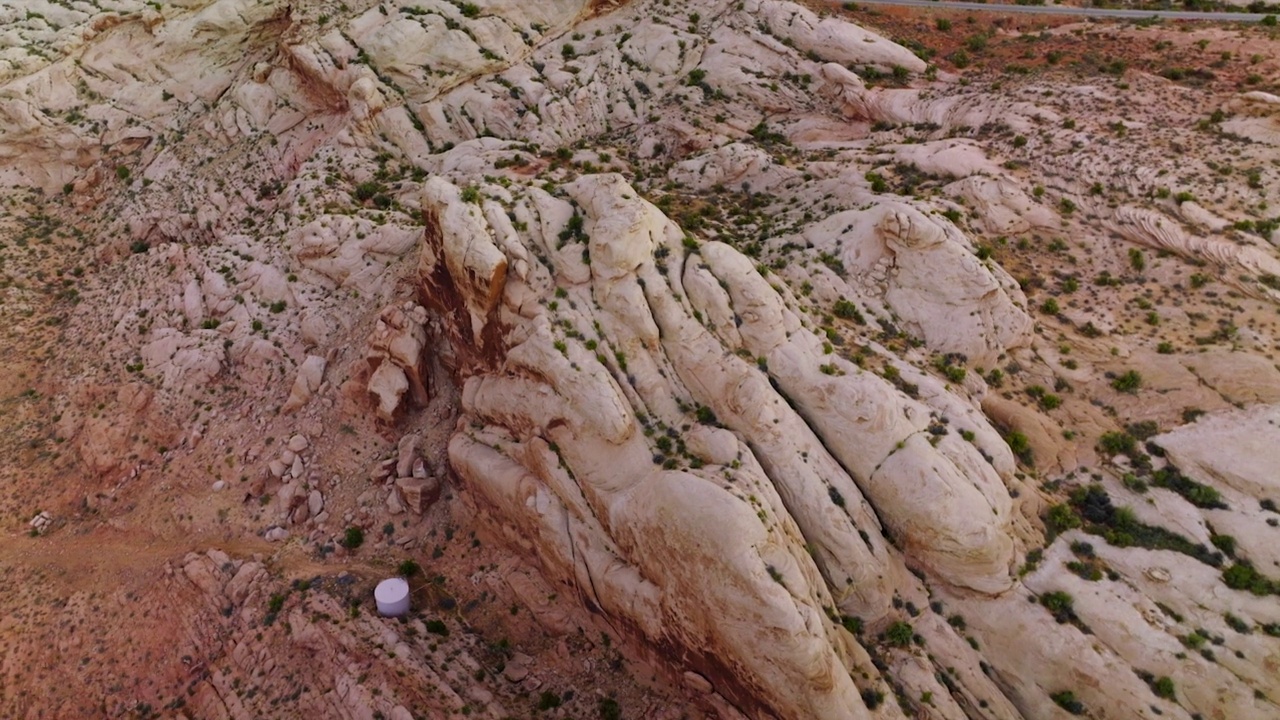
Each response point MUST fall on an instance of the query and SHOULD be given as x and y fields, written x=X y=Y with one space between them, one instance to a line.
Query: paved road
x=1065 y=10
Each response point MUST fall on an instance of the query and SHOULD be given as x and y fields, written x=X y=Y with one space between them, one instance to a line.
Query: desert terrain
x=715 y=359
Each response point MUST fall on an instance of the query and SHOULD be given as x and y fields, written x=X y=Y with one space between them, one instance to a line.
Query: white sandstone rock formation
x=396 y=359
x=306 y=383
x=928 y=278
x=705 y=329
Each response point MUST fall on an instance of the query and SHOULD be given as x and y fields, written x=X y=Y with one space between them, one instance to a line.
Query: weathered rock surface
x=669 y=300
x=417 y=494
x=929 y=278
x=395 y=356
x=307 y=382
x=1250 y=466
x=833 y=39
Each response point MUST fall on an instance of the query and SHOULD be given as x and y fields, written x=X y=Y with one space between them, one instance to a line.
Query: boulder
x=387 y=385
x=407 y=452
x=394 y=506
x=396 y=355
x=418 y=494
x=240 y=585
x=315 y=503
x=515 y=671
x=290 y=496
x=41 y=522
x=306 y=383
x=697 y=683
x=202 y=572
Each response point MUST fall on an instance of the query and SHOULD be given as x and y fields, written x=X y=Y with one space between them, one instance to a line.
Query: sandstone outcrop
x=807 y=374
x=833 y=39
x=396 y=359
x=1197 y=448
x=1158 y=231
x=823 y=488
x=306 y=384
x=928 y=279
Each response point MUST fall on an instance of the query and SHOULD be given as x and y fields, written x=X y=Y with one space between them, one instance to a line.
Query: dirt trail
x=106 y=555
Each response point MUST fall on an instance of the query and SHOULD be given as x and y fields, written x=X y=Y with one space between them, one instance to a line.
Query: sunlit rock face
x=718 y=334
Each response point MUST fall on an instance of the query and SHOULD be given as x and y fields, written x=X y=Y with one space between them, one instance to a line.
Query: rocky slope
x=731 y=345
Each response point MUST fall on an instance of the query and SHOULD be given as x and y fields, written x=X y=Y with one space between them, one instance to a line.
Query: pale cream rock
x=1236 y=448
x=306 y=383
x=737 y=560
x=181 y=360
x=1002 y=207
x=396 y=353
x=477 y=266
x=388 y=384
x=937 y=286
x=1153 y=229
x=831 y=38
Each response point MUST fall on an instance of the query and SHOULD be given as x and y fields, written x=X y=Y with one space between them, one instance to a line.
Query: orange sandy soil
x=1218 y=56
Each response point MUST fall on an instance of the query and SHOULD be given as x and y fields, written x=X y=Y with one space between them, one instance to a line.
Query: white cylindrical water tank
x=392 y=596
